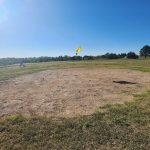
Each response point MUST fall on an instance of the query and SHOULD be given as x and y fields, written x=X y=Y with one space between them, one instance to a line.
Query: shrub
x=132 y=55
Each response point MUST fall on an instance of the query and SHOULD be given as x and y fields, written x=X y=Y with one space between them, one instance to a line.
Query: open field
x=15 y=70
x=69 y=92
x=72 y=105
x=121 y=127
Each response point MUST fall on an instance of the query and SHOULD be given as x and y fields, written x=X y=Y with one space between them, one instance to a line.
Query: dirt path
x=69 y=92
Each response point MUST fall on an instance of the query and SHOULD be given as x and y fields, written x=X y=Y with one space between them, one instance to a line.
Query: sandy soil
x=69 y=92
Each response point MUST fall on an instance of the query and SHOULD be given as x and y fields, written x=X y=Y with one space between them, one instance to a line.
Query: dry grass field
x=69 y=92
x=88 y=105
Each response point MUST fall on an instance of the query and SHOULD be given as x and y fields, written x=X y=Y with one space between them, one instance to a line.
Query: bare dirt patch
x=69 y=92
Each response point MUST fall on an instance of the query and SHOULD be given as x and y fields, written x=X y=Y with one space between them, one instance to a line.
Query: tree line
x=145 y=51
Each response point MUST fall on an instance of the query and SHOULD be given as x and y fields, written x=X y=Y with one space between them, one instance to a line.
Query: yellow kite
x=78 y=50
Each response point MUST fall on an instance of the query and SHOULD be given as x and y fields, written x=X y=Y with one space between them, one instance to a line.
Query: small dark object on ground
x=124 y=82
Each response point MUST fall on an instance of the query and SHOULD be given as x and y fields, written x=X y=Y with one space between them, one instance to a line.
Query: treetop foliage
x=145 y=51
x=9 y=61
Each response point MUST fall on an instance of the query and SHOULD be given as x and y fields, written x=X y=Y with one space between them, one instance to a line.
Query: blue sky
x=57 y=27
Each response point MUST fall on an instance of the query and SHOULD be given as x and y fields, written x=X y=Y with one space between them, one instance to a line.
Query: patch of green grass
x=119 y=127
x=14 y=70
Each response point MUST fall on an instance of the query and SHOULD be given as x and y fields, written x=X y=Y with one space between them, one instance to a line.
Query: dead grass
x=69 y=92
x=120 y=127
x=113 y=127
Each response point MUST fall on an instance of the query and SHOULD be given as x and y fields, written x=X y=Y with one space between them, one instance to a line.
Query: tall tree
x=145 y=51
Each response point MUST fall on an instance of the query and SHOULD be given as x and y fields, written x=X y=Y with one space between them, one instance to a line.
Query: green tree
x=145 y=51
x=132 y=55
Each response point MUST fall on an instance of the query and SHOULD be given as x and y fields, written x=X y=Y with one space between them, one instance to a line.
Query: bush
x=110 y=56
x=132 y=55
